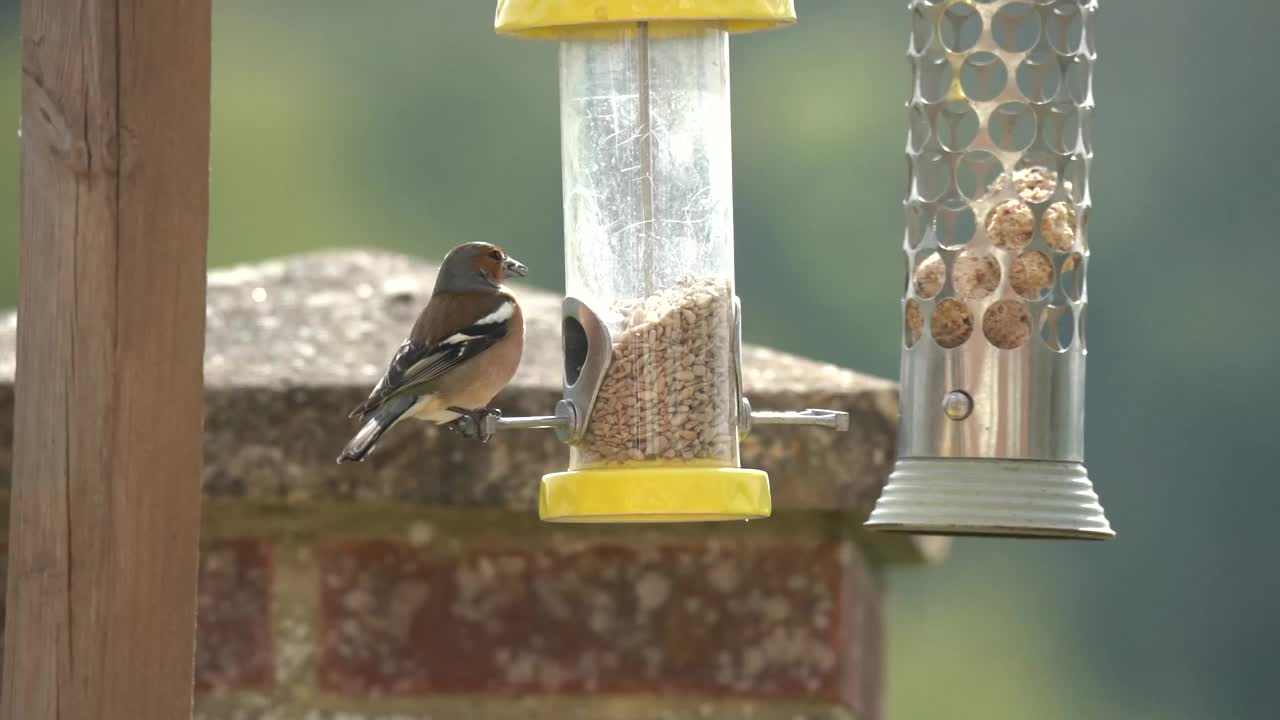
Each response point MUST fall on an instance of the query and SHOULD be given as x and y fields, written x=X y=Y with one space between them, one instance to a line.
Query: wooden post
x=109 y=407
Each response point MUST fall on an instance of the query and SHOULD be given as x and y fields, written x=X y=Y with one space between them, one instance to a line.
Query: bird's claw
x=478 y=424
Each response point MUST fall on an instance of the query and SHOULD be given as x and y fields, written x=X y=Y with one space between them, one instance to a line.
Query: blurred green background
x=408 y=125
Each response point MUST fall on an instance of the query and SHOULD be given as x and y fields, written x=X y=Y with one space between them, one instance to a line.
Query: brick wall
x=336 y=613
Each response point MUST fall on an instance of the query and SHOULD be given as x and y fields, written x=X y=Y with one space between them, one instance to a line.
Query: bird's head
x=477 y=266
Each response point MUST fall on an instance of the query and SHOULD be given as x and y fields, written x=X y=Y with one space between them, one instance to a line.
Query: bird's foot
x=479 y=424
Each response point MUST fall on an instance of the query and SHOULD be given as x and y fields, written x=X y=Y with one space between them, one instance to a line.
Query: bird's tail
x=377 y=423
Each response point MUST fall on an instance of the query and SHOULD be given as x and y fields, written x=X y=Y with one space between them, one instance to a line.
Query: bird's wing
x=418 y=364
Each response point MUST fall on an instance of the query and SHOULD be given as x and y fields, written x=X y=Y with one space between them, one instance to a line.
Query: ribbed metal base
x=1000 y=498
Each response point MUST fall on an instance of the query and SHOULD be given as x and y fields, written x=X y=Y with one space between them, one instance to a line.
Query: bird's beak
x=515 y=267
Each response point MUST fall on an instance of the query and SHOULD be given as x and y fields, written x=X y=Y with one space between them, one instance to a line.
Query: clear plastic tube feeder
x=653 y=384
x=994 y=342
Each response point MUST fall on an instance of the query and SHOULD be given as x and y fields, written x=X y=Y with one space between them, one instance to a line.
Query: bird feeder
x=653 y=408
x=993 y=358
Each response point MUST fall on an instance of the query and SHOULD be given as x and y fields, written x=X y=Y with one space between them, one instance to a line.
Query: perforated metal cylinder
x=997 y=210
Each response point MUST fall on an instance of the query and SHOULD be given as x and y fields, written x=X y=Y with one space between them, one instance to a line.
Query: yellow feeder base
x=558 y=18
x=656 y=494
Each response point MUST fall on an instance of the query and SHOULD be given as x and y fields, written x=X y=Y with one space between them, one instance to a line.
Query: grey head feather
x=458 y=271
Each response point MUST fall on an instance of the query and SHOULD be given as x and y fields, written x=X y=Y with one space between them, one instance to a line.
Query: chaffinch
x=463 y=349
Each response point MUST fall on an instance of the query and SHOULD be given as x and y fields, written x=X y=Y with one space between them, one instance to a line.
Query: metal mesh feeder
x=994 y=336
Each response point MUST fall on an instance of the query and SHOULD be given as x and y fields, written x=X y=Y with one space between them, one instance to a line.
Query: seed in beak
x=515 y=267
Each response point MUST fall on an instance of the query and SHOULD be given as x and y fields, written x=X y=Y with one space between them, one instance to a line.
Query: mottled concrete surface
x=332 y=319
x=293 y=344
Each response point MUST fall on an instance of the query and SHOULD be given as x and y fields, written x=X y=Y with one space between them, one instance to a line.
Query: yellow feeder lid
x=556 y=18
x=655 y=493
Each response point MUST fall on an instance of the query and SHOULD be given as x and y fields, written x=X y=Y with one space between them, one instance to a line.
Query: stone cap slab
x=293 y=344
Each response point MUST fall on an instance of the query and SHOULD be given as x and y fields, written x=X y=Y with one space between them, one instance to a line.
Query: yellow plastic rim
x=658 y=494
x=558 y=18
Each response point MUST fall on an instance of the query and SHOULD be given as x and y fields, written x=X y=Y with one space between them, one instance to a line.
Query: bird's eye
x=496 y=254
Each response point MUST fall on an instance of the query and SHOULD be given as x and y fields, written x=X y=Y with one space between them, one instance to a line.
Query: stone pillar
x=422 y=585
